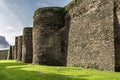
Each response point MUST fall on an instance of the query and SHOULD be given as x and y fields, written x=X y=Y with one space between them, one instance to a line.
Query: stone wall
x=10 y=55
x=13 y=51
x=27 y=48
x=49 y=39
x=16 y=45
x=91 y=35
x=19 y=49
x=86 y=33
x=3 y=54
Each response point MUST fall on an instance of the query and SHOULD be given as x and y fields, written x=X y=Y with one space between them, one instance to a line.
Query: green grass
x=12 y=70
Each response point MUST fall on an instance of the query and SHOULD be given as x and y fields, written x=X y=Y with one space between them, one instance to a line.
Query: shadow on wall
x=67 y=26
x=7 y=70
x=117 y=37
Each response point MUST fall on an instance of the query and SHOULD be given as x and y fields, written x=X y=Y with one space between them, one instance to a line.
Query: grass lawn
x=12 y=70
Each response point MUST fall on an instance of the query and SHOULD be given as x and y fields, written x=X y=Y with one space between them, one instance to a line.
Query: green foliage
x=12 y=70
x=50 y=9
x=72 y=4
x=79 y=65
x=93 y=66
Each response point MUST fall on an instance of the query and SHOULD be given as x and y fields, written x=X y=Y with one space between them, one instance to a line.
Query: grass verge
x=12 y=70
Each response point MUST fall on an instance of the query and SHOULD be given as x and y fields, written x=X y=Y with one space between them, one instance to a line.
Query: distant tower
x=10 y=54
x=19 y=49
x=16 y=47
x=27 y=48
x=13 y=51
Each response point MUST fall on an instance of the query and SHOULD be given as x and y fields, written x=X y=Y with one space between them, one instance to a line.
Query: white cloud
x=16 y=14
x=9 y=28
x=10 y=25
x=42 y=4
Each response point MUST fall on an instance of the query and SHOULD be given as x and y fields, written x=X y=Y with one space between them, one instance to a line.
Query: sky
x=17 y=14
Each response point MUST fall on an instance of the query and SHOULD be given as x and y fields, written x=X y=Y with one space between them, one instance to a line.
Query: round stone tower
x=49 y=36
x=19 y=49
x=16 y=44
x=13 y=51
x=27 y=49
x=9 y=57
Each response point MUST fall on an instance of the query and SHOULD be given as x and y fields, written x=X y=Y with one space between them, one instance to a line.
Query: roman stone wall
x=3 y=54
x=19 y=49
x=91 y=35
x=49 y=37
x=86 y=33
x=27 y=48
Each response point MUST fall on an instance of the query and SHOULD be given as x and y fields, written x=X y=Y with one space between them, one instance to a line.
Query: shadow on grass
x=16 y=73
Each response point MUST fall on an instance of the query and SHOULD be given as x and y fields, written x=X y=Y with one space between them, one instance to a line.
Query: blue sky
x=17 y=14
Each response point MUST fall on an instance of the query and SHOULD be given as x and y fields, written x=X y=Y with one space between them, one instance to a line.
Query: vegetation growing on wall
x=72 y=4
x=59 y=10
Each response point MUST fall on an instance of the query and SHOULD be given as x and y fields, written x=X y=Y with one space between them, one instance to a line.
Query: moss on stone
x=52 y=16
x=50 y=9
x=72 y=4
x=27 y=31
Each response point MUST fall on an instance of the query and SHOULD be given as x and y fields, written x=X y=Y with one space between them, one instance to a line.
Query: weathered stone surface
x=3 y=54
x=19 y=49
x=91 y=36
x=49 y=37
x=10 y=55
x=13 y=51
x=27 y=48
x=16 y=45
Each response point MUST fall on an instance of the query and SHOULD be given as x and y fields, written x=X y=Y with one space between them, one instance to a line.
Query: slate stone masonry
x=19 y=49
x=27 y=48
x=48 y=36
